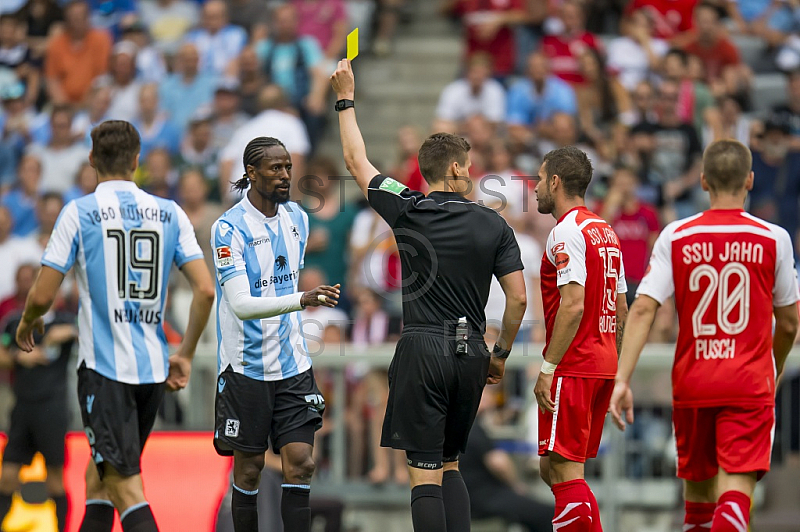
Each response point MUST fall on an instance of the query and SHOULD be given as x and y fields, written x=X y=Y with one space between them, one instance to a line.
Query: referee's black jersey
x=449 y=249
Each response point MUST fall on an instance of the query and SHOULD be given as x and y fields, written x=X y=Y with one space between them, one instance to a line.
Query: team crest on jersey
x=232 y=428
x=224 y=256
x=558 y=248
x=295 y=232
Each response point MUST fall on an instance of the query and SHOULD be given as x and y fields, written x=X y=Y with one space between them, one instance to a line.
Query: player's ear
x=748 y=183
x=251 y=172
x=704 y=183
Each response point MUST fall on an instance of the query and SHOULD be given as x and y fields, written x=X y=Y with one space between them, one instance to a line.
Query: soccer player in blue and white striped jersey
x=266 y=389
x=122 y=243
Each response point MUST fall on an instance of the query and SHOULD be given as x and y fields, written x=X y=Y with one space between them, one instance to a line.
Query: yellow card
x=352 y=45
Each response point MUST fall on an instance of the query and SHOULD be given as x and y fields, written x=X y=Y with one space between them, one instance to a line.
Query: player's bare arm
x=568 y=319
x=640 y=318
x=180 y=363
x=622 y=315
x=786 y=324
x=355 y=152
x=39 y=301
x=513 y=286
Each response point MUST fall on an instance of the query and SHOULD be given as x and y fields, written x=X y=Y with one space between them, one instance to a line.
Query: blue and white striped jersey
x=270 y=251
x=123 y=243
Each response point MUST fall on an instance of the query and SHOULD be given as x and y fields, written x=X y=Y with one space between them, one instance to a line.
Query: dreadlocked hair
x=255 y=151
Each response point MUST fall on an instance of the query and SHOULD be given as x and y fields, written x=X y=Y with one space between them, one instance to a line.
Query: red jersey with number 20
x=582 y=248
x=727 y=269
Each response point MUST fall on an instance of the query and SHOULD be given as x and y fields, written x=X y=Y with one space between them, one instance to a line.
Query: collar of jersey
x=579 y=207
x=250 y=209
x=117 y=184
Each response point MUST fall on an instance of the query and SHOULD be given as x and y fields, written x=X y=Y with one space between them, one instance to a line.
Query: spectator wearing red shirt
x=723 y=67
x=15 y=303
x=488 y=25
x=635 y=222
x=565 y=49
x=670 y=17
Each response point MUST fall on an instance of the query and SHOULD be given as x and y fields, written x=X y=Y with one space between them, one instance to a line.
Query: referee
x=449 y=249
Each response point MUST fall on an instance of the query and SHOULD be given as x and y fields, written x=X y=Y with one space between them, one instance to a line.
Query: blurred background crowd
x=641 y=85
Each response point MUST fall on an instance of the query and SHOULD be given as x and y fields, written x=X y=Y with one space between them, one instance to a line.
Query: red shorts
x=574 y=431
x=737 y=439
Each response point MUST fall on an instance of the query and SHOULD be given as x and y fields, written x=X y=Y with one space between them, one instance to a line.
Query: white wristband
x=548 y=368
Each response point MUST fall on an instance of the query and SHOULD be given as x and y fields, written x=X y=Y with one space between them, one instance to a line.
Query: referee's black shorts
x=37 y=426
x=434 y=395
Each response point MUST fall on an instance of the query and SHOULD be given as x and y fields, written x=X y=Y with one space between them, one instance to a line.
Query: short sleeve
x=508 y=258
x=390 y=198
x=228 y=248
x=622 y=283
x=658 y=282
x=62 y=248
x=566 y=250
x=187 y=249
x=785 y=292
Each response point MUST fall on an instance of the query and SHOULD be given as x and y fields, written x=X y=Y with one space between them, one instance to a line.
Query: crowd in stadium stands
x=641 y=85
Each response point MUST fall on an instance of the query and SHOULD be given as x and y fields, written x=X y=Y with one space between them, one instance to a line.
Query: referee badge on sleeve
x=393 y=186
x=224 y=257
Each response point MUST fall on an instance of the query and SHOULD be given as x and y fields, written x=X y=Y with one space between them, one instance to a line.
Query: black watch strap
x=341 y=105
x=499 y=352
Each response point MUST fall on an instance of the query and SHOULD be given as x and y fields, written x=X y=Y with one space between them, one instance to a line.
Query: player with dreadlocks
x=266 y=389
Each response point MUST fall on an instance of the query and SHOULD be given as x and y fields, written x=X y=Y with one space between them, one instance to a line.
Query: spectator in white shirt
x=61 y=157
x=636 y=54
x=125 y=88
x=273 y=121
x=476 y=93
x=218 y=42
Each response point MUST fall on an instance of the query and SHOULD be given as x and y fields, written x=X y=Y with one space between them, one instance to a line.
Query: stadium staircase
x=403 y=88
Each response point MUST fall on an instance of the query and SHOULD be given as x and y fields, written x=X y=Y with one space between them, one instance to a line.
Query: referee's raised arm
x=355 y=152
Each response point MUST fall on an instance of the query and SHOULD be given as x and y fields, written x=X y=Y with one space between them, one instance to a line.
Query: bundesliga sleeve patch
x=224 y=257
x=393 y=186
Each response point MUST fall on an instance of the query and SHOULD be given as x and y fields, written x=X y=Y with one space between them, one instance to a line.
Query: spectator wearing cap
x=21 y=200
x=489 y=28
x=187 y=89
x=168 y=21
x=564 y=48
x=16 y=55
x=125 y=87
x=476 y=93
x=76 y=56
x=272 y=121
x=228 y=117
x=789 y=112
x=62 y=156
x=722 y=64
x=16 y=124
x=217 y=41
x=150 y=65
x=295 y=63
x=775 y=192
x=153 y=124
x=532 y=101
x=197 y=148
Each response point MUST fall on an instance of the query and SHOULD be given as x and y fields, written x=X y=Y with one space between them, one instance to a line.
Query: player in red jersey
x=730 y=273
x=581 y=275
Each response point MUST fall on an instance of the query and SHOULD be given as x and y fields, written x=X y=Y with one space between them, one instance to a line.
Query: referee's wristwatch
x=499 y=352
x=341 y=105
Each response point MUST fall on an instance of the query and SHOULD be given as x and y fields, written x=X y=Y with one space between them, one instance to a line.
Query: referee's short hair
x=572 y=166
x=726 y=165
x=115 y=145
x=438 y=152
